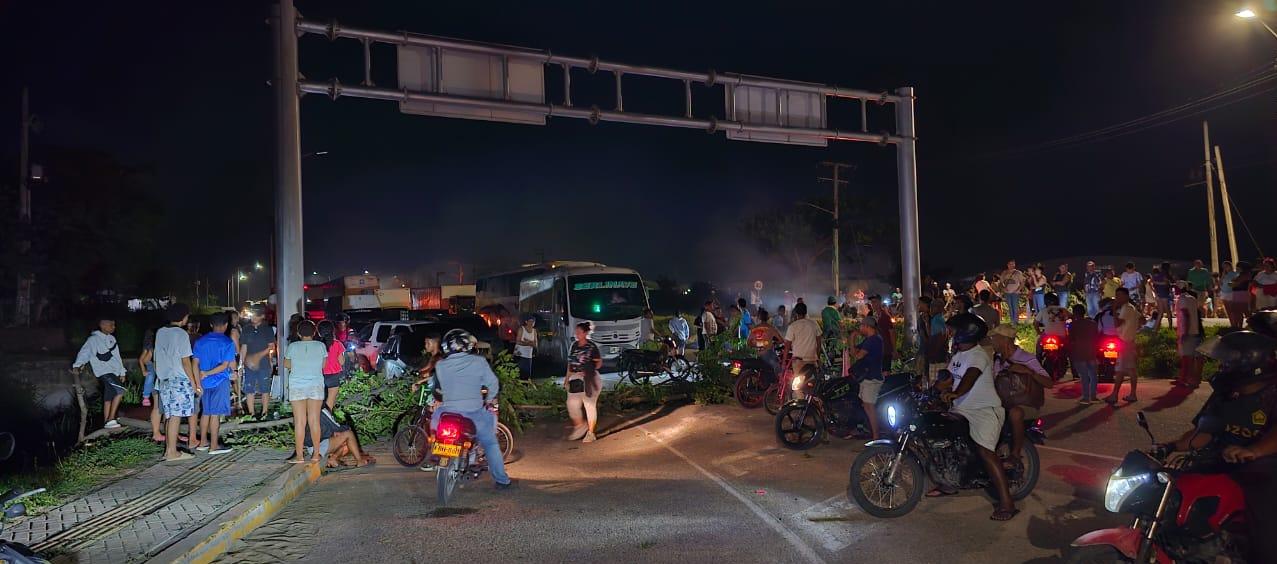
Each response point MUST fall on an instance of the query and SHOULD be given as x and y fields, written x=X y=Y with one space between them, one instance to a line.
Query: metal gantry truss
x=779 y=127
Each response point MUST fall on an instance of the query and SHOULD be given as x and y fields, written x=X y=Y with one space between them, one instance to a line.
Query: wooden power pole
x=1228 y=209
x=1210 y=199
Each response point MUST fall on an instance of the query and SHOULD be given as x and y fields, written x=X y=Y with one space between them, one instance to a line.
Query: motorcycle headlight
x=796 y=384
x=891 y=415
x=1120 y=487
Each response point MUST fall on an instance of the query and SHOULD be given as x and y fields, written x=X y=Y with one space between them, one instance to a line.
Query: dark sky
x=184 y=91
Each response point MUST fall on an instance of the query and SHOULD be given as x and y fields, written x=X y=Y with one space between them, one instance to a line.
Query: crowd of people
x=230 y=373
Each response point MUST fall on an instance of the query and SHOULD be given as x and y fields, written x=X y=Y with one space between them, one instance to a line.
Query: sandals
x=1004 y=514
x=940 y=492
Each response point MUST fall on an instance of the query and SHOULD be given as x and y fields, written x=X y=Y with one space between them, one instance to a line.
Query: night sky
x=184 y=91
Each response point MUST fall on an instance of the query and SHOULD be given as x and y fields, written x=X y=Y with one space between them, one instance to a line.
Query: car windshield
x=606 y=297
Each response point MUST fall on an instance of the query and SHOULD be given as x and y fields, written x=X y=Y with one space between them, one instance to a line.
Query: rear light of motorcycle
x=1037 y=423
x=1110 y=348
x=736 y=365
x=1051 y=343
x=448 y=433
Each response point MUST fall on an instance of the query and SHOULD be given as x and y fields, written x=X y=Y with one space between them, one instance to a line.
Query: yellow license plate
x=1110 y=354
x=1050 y=347
x=450 y=451
x=735 y=370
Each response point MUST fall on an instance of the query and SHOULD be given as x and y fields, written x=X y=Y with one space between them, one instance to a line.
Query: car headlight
x=1120 y=487
x=891 y=415
x=796 y=384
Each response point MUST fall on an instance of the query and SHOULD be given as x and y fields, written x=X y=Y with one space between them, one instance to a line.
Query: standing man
x=1084 y=335
x=1109 y=289
x=102 y=353
x=745 y=320
x=525 y=345
x=984 y=311
x=256 y=343
x=175 y=378
x=1062 y=284
x=1127 y=321
x=867 y=370
x=708 y=324
x=1189 y=336
x=1199 y=277
x=1012 y=282
x=803 y=338
x=214 y=357
x=1132 y=280
x=830 y=319
x=886 y=328
x=1093 y=287
x=680 y=331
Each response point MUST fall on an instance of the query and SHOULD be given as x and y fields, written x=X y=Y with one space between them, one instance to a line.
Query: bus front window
x=606 y=297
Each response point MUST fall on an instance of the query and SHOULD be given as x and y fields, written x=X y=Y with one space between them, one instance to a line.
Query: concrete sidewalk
x=143 y=515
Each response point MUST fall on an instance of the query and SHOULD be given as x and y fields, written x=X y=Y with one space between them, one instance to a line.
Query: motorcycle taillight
x=736 y=365
x=448 y=433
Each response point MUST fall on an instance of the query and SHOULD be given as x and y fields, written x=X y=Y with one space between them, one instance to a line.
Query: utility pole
x=288 y=175
x=1228 y=208
x=22 y=305
x=1210 y=198
x=837 y=167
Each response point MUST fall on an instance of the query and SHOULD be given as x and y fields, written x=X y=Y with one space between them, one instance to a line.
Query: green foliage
x=371 y=403
x=273 y=437
x=83 y=470
x=544 y=393
x=514 y=390
x=714 y=384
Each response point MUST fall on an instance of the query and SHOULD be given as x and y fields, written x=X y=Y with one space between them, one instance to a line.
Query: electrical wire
x=1238 y=211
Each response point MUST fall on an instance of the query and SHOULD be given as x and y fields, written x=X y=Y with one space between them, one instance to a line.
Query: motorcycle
x=1052 y=355
x=1186 y=509
x=12 y=552
x=888 y=477
x=460 y=455
x=1106 y=355
x=758 y=378
x=824 y=405
x=641 y=365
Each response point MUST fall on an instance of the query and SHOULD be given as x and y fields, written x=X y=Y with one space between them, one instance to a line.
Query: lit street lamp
x=1248 y=14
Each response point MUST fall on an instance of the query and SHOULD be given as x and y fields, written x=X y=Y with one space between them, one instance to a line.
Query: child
x=102 y=353
x=304 y=360
x=214 y=358
x=175 y=379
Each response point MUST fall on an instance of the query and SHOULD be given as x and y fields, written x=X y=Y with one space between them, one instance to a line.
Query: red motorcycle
x=758 y=382
x=1051 y=353
x=1109 y=349
x=1186 y=510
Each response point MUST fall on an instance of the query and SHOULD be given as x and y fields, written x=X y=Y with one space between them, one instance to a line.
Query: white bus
x=561 y=294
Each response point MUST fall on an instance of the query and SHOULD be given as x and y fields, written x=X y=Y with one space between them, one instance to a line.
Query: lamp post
x=1248 y=14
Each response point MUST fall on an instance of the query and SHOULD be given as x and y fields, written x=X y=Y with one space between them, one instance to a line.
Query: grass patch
x=83 y=470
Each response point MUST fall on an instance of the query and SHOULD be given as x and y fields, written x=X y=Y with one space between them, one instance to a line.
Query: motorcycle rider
x=765 y=339
x=1052 y=320
x=1024 y=391
x=975 y=399
x=462 y=374
x=1245 y=403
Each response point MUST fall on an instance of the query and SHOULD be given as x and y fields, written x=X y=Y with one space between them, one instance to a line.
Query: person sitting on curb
x=337 y=441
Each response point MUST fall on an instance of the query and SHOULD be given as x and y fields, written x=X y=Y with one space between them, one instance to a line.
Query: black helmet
x=1244 y=357
x=458 y=341
x=967 y=328
x=1264 y=322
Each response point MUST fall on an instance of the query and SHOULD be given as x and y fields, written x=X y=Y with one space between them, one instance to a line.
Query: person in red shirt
x=334 y=365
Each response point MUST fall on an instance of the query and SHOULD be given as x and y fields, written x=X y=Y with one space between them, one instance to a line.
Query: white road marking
x=808 y=552
x=828 y=522
x=1080 y=453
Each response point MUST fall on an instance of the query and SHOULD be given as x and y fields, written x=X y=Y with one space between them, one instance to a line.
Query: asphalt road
x=698 y=484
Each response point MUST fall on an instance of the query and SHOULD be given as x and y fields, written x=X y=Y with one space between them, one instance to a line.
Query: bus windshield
x=606 y=297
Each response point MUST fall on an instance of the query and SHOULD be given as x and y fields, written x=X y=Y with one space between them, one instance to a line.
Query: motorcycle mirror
x=6 y=445
x=1143 y=421
x=15 y=511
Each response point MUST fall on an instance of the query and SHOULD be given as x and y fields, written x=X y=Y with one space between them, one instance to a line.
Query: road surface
x=708 y=483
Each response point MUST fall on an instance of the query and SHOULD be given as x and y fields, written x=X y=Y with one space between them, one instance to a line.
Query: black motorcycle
x=640 y=365
x=823 y=405
x=888 y=477
x=12 y=552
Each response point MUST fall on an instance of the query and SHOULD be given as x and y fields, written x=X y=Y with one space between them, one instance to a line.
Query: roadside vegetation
x=88 y=468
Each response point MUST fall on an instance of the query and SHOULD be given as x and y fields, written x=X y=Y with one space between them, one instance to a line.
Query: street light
x=257 y=266
x=1248 y=14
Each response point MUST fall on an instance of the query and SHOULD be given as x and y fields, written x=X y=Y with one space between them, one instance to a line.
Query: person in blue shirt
x=867 y=369
x=746 y=320
x=463 y=375
x=214 y=355
x=680 y=331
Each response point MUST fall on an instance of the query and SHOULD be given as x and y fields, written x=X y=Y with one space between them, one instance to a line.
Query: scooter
x=1052 y=355
x=12 y=552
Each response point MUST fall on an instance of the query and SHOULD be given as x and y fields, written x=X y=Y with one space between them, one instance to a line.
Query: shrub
x=714 y=384
x=83 y=470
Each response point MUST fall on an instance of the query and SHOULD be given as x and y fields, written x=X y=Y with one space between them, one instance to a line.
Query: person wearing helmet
x=462 y=375
x=975 y=398
x=1241 y=413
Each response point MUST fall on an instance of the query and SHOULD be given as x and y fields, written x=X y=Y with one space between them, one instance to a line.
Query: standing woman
x=1266 y=285
x=1239 y=306
x=525 y=346
x=334 y=363
x=583 y=383
x=781 y=319
x=304 y=360
x=1037 y=281
x=237 y=370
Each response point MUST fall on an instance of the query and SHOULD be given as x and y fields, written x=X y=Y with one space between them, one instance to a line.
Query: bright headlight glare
x=1119 y=487
x=796 y=384
x=891 y=415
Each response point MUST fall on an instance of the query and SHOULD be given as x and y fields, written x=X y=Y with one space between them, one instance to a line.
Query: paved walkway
x=136 y=518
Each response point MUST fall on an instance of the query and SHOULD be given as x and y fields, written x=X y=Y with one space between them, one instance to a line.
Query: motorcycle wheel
x=677 y=369
x=800 y=427
x=1020 y=482
x=446 y=481
x=748 y=389
x=411 y=446
x=1095 y=554
x=773 y=399
x=866 y=486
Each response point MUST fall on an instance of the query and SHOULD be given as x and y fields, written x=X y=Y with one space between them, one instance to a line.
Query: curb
x=212 y=540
